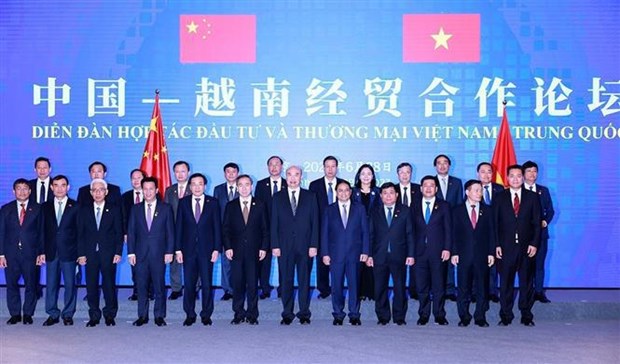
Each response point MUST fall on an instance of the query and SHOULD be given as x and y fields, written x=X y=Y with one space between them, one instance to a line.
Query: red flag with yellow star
x=155 y=157
x=504 y=154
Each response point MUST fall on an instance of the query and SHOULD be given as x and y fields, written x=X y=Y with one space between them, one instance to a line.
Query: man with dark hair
x=21 y=250
x=473 y=251
x=391 y=251
x=546 y=214
x=61 y=240
x=134 y=196
x=517 y=220
x=344 y=231
x=266 y=188
x=150 y=246
x=99 y=170
x=172 y=196
x=325 y=190
x=225 y=193
x=246 y=241
x=433 y=243
x=198 y=243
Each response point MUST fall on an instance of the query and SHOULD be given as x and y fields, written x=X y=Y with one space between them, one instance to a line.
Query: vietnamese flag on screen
x=441 y=38
x=208 y=38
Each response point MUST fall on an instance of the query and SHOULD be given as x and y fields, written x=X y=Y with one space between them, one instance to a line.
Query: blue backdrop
x=328 y=77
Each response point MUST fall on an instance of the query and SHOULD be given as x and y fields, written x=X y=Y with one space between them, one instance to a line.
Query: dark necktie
x=532 y=188
x=231 y=193
x=389 y=216
x=516 y=204
x=137 y=200
x=293 y=202
x=42 y=193
x=474 y=216
x=59 y=213
x=197 y=210
x=405 y=197
x=22 y=213
x=330 y=194
x=275 y=188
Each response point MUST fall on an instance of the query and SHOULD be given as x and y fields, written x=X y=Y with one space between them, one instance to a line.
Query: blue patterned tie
x=487 y=195
x=427 y=213
x=330 y=194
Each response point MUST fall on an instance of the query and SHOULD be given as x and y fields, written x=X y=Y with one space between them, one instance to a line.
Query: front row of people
x=389 y=237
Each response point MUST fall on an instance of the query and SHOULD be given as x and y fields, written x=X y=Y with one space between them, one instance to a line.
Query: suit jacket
x=399 y=236
x=473 y=244
x=455 y=191
x=198 y=239
x=496 y=188
x=526 y=224
x=318 y=187
x=546 y=205
x=263 y=193
x=109 y=236
x=154 y=243
x=437 y=235
x=113 y=196
x=29 y=234
x=220 y=192
x=413 y=191
x=345 y=244
x=295 y=233
x=245 y=238
x=61 y=240
x=375 y=200
x=171 y=197
x=34 y=188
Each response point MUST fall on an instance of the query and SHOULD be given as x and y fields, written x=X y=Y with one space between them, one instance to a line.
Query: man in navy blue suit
x=546 y=214
x=21 y=250
x=60 y=232
x=246 y=241
x=225 y=193
x=295 y=241
x=517 y=221
x=391 y=251
x=132 y=197
x=150 y=246
x=344 y=236
x=100 y=246
x=265 y=189
x=433 y=243
x=99 y=170
x=325 y=190
x=473 y=250
x=198 y=243
x=451 y=191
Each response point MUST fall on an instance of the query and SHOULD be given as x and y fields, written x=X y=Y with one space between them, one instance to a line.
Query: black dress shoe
x=227 y=297
x=110 y=322
x=473 y=299
x=304 y=321
x=494 y=298
x=189 y=321
x=252 y=321
x=542 y=298
x=264 y=295
x=323 y=295
x=337 y=322
x=175 y=295
x=503 y=323
x=92 y=323
x=133 y=297
x=51 y=321
x=482 y=323
x=286 y=321
x=206 y=321
x=451 y=297
x=355 y=322
x=524 y=322
x=401 y=322
x=442 y=321
x=27 y=320
x=140 y=321
x=382 y=322
x=422 y=321
x=159 y=321
x=463 y=323
x=14 y=319
x=67 y=321
x=237 y=321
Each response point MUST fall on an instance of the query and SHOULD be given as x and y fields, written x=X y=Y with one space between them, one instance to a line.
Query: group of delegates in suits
x=363 y=233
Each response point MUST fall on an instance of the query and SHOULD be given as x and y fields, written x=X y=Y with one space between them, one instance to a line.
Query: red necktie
x=22 y=213
x=474 y=216
x=516 y=204
x=137 y=197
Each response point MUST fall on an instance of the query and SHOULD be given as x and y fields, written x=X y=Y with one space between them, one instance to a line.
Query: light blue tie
x=98 y=217
x=59 y=214
x=330 y=194
x=487 y=195
x=427 y=213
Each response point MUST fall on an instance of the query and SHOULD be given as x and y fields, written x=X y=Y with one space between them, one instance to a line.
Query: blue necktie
x=427 y=213
x=330 y=194
x=275 y=188
x=98 y=217
x=487 y=195
x=389 y=216
x=59 y=214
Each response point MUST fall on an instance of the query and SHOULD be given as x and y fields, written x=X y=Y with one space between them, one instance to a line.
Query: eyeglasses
x=98 y=190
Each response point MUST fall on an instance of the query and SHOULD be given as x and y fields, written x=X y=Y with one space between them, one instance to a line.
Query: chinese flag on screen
x=441 y=38
x=155 y=156
x=504 y=153
x=217 y=38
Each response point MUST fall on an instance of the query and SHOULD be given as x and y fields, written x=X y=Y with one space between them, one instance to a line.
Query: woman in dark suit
x=367 y=193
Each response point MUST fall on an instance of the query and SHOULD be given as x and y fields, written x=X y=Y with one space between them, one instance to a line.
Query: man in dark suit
x=391 y=251
x=99 y=170
x=517 y=221
x=150 y=246
x=265 y=189
x=345 y=235
x=295 y=241
x=21 y=250
x=408 y=192
x=133 y=197
x=489 y=190
x=246 y=241
x=100 y=246
x=172 y=196
x=225 y=193
x=325 y=190
x=198 y=242
x=451 y=191
x=473 y=250
x=546 y=214
x=433 y=242
x=60 y=233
